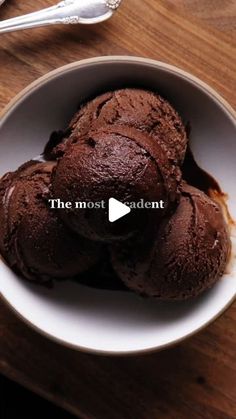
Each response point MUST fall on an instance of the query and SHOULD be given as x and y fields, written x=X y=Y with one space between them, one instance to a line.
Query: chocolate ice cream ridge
x=114 y=162
x=33 y=239
x=141 y=109
x=183 y=257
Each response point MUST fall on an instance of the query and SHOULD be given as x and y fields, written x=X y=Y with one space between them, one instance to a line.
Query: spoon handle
x=65 y=12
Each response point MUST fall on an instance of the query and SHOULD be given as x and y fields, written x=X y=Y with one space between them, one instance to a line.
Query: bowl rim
x=205 y=88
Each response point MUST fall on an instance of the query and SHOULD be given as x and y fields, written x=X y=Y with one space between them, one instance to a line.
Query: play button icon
x=117 y=210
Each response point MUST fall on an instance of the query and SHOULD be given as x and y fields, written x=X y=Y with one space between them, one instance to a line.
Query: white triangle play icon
x=117 y=210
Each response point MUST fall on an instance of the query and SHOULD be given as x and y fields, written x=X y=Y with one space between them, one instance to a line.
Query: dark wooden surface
x=197 y=379
x=18 y=402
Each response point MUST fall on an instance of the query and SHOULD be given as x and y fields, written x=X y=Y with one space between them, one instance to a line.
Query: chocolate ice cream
x=114 y=162
x=187 y=254
x=129 y=145
x=33 y=239
x=141 y=109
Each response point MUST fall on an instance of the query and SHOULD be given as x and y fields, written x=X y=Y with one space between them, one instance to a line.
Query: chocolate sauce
x=102 y=276
x=195 y=176
x=56 y=138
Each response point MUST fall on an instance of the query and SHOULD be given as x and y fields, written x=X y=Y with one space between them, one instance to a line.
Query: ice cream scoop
x=141 y=109
x=186 y=255
x=33 y=239
x=118 y=162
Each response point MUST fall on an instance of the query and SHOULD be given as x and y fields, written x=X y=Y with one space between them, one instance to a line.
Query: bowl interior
x=116 y=321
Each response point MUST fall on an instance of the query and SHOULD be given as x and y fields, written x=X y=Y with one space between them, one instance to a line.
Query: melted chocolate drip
x=102 y=276
x=56 y=138
x=198 y=177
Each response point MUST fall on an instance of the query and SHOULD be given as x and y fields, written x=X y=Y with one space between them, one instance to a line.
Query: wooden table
x=197 y=379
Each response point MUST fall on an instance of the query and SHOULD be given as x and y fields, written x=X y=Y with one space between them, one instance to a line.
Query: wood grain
x=197 y=379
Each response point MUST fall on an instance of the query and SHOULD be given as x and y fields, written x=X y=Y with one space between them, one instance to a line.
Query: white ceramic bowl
x=110 y=321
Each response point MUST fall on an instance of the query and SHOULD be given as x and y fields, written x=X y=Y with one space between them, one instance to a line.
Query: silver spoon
x=66 y=12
